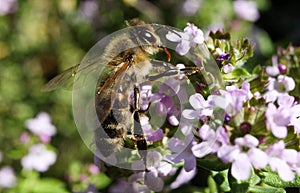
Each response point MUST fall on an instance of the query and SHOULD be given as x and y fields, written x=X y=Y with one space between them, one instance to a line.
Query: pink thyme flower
x=41 y=126
x=157 y=169
x=7 y=177
x=39 y=158
x=182 y=152
x=246 y=10
x=191 y=36
x=233 y=99
x=211 y=141
x=202 y=108
x=281 y=160
x=278 y=119
x=243 y=161
x=278 y=86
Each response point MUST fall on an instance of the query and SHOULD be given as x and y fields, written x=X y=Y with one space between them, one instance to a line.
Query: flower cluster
x=39 y=157
x=237 y=141
x=246 y=129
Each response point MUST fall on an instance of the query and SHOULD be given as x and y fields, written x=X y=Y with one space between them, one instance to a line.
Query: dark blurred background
x=281 y=22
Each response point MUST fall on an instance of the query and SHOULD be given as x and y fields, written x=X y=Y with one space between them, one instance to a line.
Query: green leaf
x=273 y=179
x=236 y=74
x=221 y=180
x=240 y=72
x=237 y=185
x=211 y=162
x=100 y=180
x=246 y=48
x=257 y=69
x=266 y=189
x=75 y=170
x=18 y=152
x=32 y=183
x=212 y=185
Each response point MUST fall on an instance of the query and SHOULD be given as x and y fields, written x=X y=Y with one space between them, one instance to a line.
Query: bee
x=127 y=60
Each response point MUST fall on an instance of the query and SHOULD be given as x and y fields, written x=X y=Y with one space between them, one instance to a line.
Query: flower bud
x=245 y=127
x=282 y=68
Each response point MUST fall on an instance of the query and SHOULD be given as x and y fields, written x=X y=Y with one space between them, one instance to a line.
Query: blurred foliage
x=41 y=38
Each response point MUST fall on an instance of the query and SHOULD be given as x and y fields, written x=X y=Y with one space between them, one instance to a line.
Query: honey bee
x=117 y=99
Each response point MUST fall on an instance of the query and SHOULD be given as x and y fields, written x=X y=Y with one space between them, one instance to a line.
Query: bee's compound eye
x=147 y=36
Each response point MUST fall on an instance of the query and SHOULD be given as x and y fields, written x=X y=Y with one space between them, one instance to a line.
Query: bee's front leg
x=162 y=69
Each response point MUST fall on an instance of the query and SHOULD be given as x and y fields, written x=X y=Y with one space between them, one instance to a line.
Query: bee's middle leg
x=137 y=131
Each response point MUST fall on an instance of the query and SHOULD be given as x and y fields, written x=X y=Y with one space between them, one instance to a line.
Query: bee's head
x=144 y=36
x=147 y=39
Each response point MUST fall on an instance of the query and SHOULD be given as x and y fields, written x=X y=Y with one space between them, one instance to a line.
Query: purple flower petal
x=258 y=158
x=202 y=149
x=183 y=47
x=153 y=159
x=190 y=114
x=161 y=108
x=153 y=181
x=206 y=132
x=157 y=135
x=284 y=171
x=285 y=81
x=170 y=87
x=183 y=178
x=272 y=70
x=176 y=144
x=197 y=101
x=173 y=37
x=191 y=37
x=189 y=163
x=173 y=120
x=165 y=169
x=227 y=68
x=248 y=141
x=277 y=120
x=241 y=167
x=222 y=135
x=228 y=153
x=276 y=149
x=290 y=156
x=186 y=128
x=285 y=100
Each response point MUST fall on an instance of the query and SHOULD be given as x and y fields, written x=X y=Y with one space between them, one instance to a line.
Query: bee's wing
x=80 y=70
x=61 y=79
x=106 y=93
x=92 y=64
